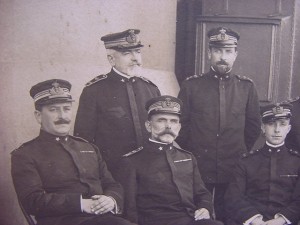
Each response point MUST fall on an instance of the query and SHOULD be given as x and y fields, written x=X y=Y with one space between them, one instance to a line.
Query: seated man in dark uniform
x=61 y=179
x=266 y=185
x=162 y=182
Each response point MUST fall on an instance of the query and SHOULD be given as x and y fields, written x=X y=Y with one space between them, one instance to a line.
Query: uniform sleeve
x=185 y=116
x=127 y=177
x=110 y=186
x=236 y=205
x=253 y=121
x=292 y=210
x=86 y=117
x=202 y=196
x=34 y=198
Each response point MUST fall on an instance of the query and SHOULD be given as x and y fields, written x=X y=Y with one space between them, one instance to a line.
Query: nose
x=168 y=125
x=134 y=56
x=62 y=114
x=276 y=128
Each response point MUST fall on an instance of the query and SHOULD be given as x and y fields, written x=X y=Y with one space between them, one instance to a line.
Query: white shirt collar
x=120 y=73
x=158 y=142
x=274 y=146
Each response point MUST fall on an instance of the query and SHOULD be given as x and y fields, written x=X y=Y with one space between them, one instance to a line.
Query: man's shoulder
x=96 y=80
x=194 y=77
x=144 y=79
x=26 y=146
x=243 y=78
x=294 y=101
x=294 y=153
x=250 y=154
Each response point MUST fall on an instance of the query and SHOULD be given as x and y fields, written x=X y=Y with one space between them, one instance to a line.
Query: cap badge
x=277 y=110
x=223 y=36
x=56 y=89
x=131 y=38
x=168 y=102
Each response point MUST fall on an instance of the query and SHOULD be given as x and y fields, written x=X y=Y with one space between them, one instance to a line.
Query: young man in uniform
x=266 y=185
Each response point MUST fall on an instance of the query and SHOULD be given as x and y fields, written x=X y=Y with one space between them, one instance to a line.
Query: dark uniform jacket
x=161 y=182
x=266 y=182
x=50 y=175
x=220 y=120
x=112 y=114
x=293 y=137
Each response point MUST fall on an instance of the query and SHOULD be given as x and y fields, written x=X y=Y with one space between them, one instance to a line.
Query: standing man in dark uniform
x=266 y=185
x=293 y=137
x=61 y=179
x=220 y=118
x=161 y=181
x=111 y=110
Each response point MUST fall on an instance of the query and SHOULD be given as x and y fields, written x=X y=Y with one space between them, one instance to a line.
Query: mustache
x=62 y=121
x=167 y=132
x=222 y=62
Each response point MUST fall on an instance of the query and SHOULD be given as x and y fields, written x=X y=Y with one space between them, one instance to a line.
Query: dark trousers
x=107 y=219
x=185 y=220
x=218 y=192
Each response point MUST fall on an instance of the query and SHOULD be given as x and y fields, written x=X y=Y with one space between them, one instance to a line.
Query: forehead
x=223 y=48
x=281 y=120
x=58 y=105
x=165 y=116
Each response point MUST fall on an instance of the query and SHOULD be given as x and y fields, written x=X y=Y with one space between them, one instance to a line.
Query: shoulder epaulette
x=23 y=145
x=244 y=78
x=96 y=79
x=147 y=80
x=250 y=153
x=294 y=152
x=293 y=99
x=134 y=151
x=194 y=76
x=79 y=138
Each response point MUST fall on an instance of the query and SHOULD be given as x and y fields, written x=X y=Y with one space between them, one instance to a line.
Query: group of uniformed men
x=123 y=165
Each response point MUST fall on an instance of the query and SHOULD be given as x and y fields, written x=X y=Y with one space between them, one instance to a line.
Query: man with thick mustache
x=161 y=182
x=111 y=110
x=220 y=118
x=59 y=178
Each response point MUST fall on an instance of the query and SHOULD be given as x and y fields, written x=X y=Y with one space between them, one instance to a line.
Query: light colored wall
x=44 y=39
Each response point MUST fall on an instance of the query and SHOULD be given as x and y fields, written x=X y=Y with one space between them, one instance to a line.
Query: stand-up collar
x=45 y=136
x=271 y=149
x=160 y=146
x=122 y=77
x=219 y=76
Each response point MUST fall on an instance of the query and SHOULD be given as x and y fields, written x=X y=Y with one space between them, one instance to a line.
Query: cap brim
x=53 y=101
x=223 y=44
x=153 y=112
x=120 y=49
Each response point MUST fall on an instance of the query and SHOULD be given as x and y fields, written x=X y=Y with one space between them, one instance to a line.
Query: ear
x=38 y=116
x=263 y=128
x=209 y=53
x=111 y=60
x=289 y=128
x=148 y=126
x=236 y=54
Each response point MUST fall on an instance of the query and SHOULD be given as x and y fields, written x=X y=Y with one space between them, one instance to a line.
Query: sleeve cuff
x=280 y=215
x=116 y=209
x=247 y=222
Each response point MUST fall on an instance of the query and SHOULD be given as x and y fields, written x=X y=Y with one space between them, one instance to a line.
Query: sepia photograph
x=150 y=112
